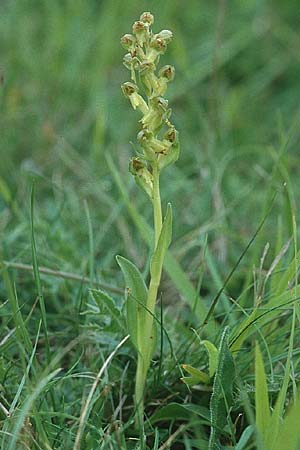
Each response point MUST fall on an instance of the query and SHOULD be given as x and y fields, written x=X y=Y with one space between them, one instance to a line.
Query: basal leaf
x=177 y=411
x=136 y=299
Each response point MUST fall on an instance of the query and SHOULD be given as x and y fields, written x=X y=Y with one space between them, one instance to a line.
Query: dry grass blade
x=85 y=410
x=65 y=275
x=172 y=438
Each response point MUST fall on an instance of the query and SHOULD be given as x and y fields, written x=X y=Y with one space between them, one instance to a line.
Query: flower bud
x=151 y=146
x=131 y=62
x=147 y=17
x=144 y=137
x=166 y=35
x=157 y=114
x=160 y=103
x=171 y=139
x=141 y=32
x=158 y=44
x=130 y=90
x=167 y=72
x=171 y=135
x=136 y=165
x=143 y=176
x=128 y=41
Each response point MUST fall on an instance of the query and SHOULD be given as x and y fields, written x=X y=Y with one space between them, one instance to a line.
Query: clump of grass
x=158 y=148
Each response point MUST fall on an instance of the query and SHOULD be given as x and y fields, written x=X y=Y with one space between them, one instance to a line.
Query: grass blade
x=37 y=276
x=261 y=395
x=222 y=396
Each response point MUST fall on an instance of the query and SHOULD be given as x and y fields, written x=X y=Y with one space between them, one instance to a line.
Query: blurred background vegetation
x=235 y=101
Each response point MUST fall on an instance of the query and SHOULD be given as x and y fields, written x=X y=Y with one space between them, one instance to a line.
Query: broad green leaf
x=262 y=406
x=197 y=376
x=222 y=396
x=136 y=299
x=178 y=411
x=163 y=243
x=105 y=302
x=212 y=356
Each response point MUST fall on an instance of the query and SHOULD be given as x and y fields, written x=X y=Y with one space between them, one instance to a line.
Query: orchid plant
x=158 y=147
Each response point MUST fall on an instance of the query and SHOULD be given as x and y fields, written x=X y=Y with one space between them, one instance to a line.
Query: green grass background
x=235 y=101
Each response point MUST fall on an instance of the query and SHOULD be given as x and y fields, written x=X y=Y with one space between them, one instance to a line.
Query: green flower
x=158 y=138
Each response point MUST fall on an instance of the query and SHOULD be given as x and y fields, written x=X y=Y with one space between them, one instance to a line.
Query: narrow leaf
x=244 y=439
x=196 y=373
x=222 y=396
x=261 y=395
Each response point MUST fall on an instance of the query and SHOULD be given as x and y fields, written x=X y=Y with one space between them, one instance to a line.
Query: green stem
x=139 y=391
x=156 y=204
x=145 y=356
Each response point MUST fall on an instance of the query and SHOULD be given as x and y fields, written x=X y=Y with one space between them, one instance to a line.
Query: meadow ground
x=65 y=128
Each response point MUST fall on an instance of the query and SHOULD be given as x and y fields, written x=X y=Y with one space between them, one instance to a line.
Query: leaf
x=198 y=376
x=287 y=276
x=193 y=381
x=244 y=439
x=177 y=411
x=289 y=433
x=163 y=243
x=136 y=297
x=212 y=356
x=105 y=302
x=262 y=406
x=222 y=396
x=275 y=420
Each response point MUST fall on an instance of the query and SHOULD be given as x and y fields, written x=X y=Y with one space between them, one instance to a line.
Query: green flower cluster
x=158 y=138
